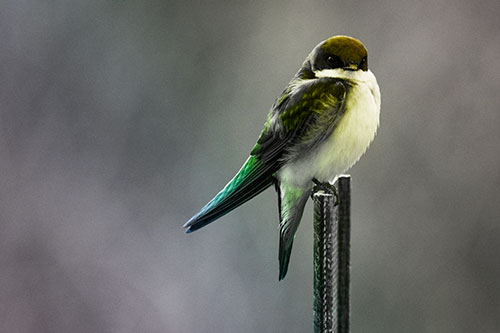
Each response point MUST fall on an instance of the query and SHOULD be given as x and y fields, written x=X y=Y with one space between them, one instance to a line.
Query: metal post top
x=323 y=194
x=339 y=184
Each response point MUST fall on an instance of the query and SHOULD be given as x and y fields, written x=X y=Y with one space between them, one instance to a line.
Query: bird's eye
x=333 y=61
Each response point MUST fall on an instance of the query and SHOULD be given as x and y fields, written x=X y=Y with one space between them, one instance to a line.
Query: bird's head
x=337 y=52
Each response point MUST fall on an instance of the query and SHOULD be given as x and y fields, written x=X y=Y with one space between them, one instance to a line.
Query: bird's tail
x=253 y=177
x=292 y=201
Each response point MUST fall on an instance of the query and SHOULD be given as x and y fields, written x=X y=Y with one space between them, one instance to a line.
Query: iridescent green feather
x=323 y=96
x=251 y=179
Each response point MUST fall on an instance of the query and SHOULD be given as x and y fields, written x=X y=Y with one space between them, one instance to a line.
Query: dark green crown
x=348 y=49
x=338 y=52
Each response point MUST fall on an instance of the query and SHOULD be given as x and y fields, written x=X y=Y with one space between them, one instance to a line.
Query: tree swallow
x=318 y=127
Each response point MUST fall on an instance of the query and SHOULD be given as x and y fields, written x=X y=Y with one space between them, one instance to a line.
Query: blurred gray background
x=120 y=119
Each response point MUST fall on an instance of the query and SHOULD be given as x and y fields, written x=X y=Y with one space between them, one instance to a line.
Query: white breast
x=351 y=137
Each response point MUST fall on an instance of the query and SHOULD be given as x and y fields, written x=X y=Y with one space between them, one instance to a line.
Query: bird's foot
x=326 y=187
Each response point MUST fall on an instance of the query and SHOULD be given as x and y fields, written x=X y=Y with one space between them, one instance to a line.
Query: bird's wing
x=302 y=117
x=293 y=116
x=253 y=177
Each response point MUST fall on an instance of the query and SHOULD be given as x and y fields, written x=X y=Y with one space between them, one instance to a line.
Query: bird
x=317 y=128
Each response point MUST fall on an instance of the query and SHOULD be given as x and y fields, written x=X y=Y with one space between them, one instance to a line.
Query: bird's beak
x=351 y=67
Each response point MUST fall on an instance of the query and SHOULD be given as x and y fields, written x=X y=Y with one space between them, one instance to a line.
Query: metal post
x=332 y=230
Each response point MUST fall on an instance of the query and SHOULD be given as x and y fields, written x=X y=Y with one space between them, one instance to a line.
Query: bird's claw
x=326 y=187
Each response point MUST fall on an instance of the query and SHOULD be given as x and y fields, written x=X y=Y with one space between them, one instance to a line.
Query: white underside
x=351 y=137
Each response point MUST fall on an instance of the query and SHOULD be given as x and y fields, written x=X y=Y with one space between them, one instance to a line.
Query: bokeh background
x=120 y=119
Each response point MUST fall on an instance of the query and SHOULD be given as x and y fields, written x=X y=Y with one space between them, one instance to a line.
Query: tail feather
x=253 y=178
x=284 y=258
x=292 y=202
